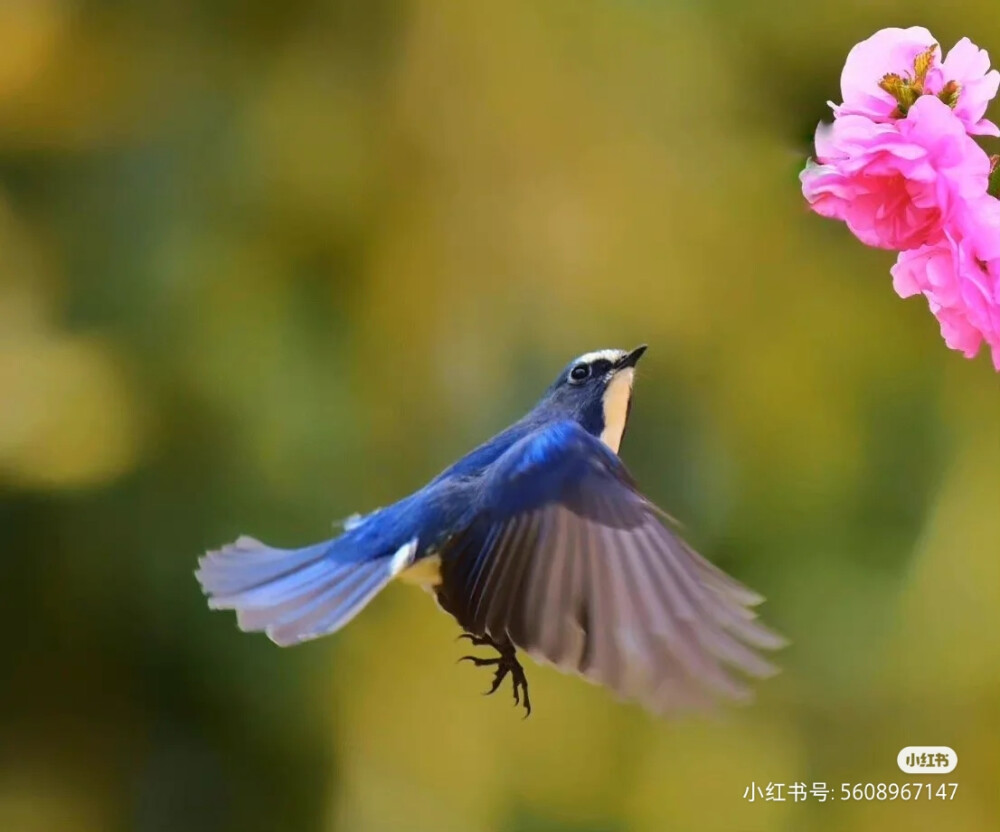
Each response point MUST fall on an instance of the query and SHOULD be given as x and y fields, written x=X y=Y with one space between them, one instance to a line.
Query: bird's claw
x=478 y=662
x=506 y=664
x=519 y=680
x=477 y=641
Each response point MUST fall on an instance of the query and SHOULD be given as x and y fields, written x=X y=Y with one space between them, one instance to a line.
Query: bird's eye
x=579 y=373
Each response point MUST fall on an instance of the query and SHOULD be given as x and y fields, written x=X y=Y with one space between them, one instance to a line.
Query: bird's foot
x=506 y=663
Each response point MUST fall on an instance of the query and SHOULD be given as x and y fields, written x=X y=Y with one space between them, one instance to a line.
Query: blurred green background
x=266 y=264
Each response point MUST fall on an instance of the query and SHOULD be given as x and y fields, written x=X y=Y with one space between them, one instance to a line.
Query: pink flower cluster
x=899 y=166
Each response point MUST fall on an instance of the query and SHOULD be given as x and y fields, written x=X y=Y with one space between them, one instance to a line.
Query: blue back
x=450 y=500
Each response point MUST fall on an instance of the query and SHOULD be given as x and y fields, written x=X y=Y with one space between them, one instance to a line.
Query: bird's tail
x=294 y=594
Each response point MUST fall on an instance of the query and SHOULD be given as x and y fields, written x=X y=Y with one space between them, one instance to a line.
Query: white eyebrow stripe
x=607 y=355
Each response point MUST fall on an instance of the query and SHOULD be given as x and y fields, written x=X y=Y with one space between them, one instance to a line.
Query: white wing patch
x=352 y=522
x=616 y=398
x=403 y=557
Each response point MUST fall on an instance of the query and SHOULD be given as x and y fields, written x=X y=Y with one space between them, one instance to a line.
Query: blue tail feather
x=295 y=594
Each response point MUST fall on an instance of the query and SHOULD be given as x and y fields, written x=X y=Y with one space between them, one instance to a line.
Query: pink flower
x=887 y=51
x=896 y=184
x=894 y=52
x=969 y=67
x=960 y=277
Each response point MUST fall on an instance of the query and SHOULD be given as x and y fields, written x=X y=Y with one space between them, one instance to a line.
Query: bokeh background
x=266 y=264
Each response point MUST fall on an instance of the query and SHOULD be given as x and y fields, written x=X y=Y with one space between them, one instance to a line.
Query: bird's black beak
x=631 y=359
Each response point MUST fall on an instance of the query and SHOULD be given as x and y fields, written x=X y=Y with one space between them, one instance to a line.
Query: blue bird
x=537 y=540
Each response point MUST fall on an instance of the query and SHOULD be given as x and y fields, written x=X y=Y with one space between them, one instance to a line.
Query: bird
x=538 y=540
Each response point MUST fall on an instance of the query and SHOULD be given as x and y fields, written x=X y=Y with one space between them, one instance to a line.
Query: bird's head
x=596 y=391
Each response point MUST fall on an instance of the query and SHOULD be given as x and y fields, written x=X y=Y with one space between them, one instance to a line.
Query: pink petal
x=888 y=50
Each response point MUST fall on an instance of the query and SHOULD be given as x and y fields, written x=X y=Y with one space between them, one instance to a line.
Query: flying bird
x=538 y=540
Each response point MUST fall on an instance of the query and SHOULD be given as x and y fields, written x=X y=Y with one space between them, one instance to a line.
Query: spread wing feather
x=570 y=563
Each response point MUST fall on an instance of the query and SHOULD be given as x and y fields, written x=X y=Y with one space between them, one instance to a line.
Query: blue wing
x=568 y=561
